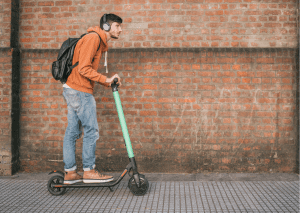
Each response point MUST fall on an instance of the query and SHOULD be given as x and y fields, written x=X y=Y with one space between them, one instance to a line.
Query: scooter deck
x=81 y=184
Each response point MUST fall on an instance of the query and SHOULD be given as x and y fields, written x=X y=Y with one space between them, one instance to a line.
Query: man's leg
x=72 y=133
x=88 y=117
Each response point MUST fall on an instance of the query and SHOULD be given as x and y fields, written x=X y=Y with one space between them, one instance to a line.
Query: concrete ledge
x=224 y=177
x=220 y=177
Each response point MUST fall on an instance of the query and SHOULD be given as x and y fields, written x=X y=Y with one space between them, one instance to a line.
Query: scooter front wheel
x=55 y=190
x=138 y=191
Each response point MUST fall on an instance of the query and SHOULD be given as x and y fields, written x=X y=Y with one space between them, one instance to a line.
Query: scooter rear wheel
x=55 y=190
x=135 y=189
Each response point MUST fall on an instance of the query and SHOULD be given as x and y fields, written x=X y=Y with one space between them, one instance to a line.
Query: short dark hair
x=110 y=18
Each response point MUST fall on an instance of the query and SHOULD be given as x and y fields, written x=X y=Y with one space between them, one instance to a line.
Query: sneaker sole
x=72 y=181
x=97 y=180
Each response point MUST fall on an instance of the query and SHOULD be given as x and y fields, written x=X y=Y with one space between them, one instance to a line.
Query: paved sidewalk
x=212 y=192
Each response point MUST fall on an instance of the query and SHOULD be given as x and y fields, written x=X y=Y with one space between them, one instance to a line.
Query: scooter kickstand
x=111 y=189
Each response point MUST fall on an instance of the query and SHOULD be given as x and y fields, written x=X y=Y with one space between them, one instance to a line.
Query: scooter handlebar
x=114 y=85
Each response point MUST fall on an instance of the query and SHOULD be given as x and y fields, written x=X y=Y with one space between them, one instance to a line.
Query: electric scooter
x=138 y=184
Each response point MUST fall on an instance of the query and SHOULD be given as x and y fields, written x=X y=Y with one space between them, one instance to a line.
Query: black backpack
x=62 y=68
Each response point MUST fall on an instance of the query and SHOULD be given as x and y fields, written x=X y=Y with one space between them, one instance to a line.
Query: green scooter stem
x=122 y=120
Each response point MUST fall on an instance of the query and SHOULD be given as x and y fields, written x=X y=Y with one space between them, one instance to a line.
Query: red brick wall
x=5 y=18
x=187 y=110
x=164 y=23
x=5 y=112
x=5 y=88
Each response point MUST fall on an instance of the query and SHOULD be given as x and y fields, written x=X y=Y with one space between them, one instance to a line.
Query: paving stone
x=163 y=196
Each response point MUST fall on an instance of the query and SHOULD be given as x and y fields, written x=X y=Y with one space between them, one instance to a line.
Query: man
x=78 y=93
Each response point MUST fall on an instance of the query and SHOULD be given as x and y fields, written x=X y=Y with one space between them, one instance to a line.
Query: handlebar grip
x=114 y=85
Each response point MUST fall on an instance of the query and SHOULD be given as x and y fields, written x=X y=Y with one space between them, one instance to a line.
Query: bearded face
x=115 y=30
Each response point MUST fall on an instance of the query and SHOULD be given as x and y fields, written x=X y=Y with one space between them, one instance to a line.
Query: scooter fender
x=56 y=171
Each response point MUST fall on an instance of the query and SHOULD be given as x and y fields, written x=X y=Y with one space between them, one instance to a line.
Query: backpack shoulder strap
x=99 y=42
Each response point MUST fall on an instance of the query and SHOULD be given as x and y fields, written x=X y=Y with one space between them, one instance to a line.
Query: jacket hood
x=102 y=35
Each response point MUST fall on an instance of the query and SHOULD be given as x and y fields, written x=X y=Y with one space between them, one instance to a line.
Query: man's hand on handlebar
x=111 y=80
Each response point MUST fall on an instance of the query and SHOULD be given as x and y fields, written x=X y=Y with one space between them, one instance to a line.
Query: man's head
x=111 y=23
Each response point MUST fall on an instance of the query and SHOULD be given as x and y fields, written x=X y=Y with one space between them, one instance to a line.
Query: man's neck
x=108 y=37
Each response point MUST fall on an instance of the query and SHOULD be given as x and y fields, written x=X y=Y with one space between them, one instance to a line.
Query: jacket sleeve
x=87 y=53
x=105 y=84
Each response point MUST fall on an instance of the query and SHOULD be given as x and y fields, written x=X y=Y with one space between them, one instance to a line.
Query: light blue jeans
x=81 y=107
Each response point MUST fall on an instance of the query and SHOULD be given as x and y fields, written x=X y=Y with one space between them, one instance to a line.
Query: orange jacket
x=84 y=75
